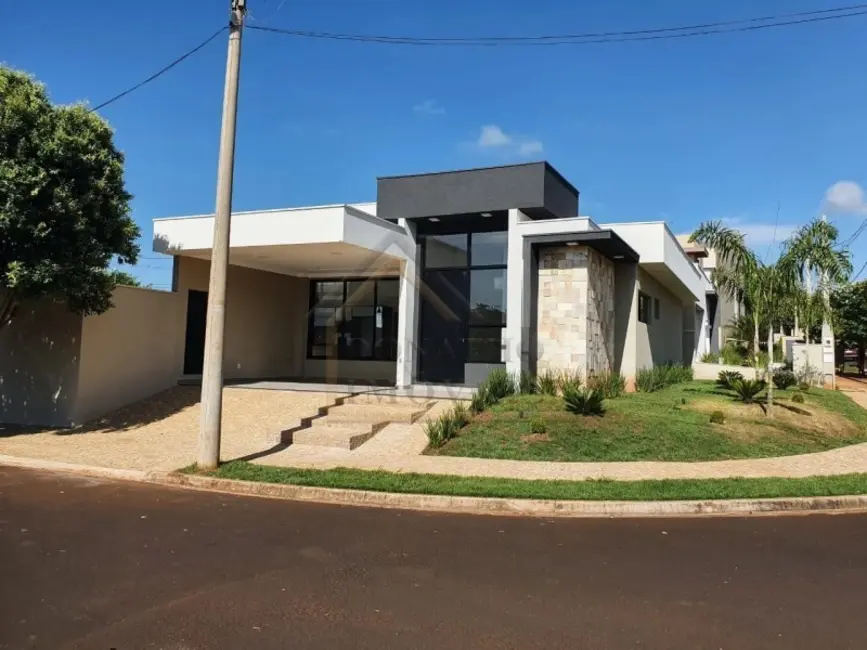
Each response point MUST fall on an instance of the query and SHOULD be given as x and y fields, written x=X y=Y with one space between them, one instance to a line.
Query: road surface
x=98 y=565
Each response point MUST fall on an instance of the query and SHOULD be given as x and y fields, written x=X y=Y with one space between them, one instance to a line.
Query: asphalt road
x=98 y=565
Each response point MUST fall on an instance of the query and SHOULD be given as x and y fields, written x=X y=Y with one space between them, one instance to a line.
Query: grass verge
x=590 y=490
x=672 y=424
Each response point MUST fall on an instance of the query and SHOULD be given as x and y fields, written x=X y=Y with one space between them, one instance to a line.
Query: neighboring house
x=721 y=310
x=445 y=277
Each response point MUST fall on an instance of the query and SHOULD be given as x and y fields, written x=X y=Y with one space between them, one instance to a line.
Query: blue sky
x=723 y=127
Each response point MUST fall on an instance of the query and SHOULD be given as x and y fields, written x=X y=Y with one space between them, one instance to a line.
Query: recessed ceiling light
x=617 y=257
x=486 y=214
x=434 y=219
x=571 y=243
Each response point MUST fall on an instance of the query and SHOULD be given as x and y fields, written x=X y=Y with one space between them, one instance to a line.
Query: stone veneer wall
x=575 y=310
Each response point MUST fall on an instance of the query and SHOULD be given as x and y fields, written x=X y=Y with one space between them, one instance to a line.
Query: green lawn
x=378 y=481
x=669 y=425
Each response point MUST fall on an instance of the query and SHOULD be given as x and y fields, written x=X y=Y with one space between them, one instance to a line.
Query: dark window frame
x=644 y=307
x=656 y=309
x=470 y=267
x=391 y=350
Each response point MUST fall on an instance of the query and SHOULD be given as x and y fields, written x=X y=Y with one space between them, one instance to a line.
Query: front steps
x=354 y=420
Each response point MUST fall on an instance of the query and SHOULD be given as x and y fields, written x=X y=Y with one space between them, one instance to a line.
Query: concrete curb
x=81 y=470
x=462 y=505
x=521 y=507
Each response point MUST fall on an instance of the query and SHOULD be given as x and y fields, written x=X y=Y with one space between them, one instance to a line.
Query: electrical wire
x=161 y=71
x=856 y=234
x=860 y=271
x=665 y=33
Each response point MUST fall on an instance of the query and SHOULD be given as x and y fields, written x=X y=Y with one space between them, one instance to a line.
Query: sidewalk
x=161 y=445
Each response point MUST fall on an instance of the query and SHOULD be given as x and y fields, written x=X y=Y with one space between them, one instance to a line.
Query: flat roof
x=548 y=166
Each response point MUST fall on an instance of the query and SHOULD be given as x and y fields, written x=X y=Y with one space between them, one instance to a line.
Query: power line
x=860 y=271
x=856 y=234
x=592 y=38
x=160 y=72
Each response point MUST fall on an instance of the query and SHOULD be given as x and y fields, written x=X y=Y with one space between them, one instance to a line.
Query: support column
x=517 y=340
x=407 y=317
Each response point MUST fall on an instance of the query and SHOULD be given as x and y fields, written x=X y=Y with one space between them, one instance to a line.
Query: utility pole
x=212 y=373
x=829 y=374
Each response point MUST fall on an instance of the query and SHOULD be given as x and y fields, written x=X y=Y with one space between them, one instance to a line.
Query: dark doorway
x=444 y=312
x=194 y=350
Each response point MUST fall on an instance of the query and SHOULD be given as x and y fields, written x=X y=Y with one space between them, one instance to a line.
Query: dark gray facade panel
x=476 y=190
x=561 y=199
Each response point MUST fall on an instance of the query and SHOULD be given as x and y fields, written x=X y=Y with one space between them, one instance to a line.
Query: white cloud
x=845 y=197
x=493 y=138
x=530 y=148
x=429 y=107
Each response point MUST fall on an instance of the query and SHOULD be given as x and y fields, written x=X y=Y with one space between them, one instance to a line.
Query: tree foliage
x=124 y=278
x=849 y=307
x=773 y=291
x=64 y=211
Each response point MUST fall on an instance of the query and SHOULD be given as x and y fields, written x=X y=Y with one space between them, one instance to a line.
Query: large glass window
x=489 y=248
x=353 y=319
x=488 y=297
x=446 y=251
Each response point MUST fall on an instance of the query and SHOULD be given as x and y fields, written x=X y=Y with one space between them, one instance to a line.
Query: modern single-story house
x=445 y=277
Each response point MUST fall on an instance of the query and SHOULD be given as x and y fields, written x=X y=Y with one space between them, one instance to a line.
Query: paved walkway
x=161 y=434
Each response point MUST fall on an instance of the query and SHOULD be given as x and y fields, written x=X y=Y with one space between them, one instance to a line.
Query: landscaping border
x=462 y=504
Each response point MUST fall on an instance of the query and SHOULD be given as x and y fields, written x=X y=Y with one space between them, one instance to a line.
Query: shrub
x=499 y=384
x=762 y=360
x=433 y=429
x=546 y=383
x=460 y=414
x=538 y=425
x=584 y=401
x=803 y=386
x=717 y=417
x=726 y=378
x=569 y=380
x=747 y=389
x=525 y=383
x=479 y=401
x=609 y=384
x=808 y=376
x=709 y=357
x=648 y=380
x=732 y=354
x=798 y=398
x=783 y=378
x=446 y=426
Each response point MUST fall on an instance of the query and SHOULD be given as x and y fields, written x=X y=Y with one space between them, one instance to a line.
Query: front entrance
x=194 y=341
x=444 y=313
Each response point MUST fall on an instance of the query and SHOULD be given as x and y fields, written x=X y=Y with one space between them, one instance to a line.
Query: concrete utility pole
x=829 y=370
x=212 y=373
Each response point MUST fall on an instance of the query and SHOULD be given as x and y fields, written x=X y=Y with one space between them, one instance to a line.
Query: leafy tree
x=122 y=277
x=849 y=306
x=770 y=290
x=64 y=211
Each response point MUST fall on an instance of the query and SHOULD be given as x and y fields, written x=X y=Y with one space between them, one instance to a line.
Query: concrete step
x=331 y=422
x=389 y=400
x=333 y=436
x=376 y=412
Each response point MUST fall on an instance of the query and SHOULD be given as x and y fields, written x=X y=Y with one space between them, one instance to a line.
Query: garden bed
x=672 y=424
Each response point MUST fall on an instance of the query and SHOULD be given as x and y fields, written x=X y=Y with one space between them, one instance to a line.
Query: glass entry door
x=444 y=315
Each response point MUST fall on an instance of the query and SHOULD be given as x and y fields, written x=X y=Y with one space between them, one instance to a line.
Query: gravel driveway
x=160 y=432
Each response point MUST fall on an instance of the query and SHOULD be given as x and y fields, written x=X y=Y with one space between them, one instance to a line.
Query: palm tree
x=771 y=289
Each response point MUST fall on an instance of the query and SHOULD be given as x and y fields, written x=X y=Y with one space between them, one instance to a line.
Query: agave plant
x=726 y=378
x=747 y=390
x=584 y=401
